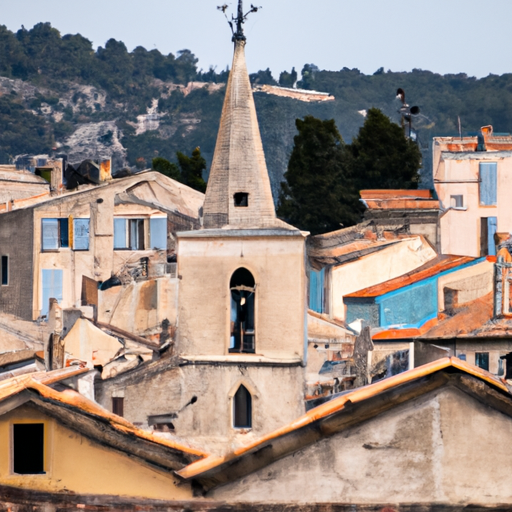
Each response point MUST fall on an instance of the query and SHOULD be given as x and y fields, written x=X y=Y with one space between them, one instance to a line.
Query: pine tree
x=319 y=193
x=382 y=156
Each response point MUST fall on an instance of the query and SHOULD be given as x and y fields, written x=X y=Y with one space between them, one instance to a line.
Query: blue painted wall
x=407 y=307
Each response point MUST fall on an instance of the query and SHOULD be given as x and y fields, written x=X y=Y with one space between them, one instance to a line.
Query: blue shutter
x=81 y=234
x=120 y=234
x=316 y=290
x=158 y=233
x=50 y=229
x=492 y=227
x=488 y=183
x=52 y=288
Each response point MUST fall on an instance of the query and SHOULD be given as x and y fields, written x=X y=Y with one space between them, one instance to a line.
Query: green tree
x=192 y=169
x=167 y=168
x=382 y=156
x=319 y=193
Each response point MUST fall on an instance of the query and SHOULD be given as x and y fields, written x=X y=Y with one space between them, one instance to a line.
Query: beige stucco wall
x=471 y=282
x=388 y=263
x=140 y=307
x=495 y=348
x=277 y=399
x=460 y=228
x=74 y=463
x=436 y=449
x=205 y=266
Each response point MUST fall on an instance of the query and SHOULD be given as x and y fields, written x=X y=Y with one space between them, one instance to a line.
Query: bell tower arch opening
x=243 y=296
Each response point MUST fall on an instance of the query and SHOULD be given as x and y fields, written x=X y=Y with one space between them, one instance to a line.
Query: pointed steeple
x=238 y=193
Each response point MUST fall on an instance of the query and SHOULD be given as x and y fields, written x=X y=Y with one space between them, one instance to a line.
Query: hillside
x=58 y=94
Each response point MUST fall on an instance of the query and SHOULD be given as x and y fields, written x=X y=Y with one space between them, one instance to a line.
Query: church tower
x=242 y=293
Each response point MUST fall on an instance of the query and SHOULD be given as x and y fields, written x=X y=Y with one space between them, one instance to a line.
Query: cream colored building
x=473 y=180
x=121 y=227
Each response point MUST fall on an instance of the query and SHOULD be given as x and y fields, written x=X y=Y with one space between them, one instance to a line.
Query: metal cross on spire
x=238 y=34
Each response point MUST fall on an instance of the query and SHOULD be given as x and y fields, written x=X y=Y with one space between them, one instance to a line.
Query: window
x=5 y=270
x=488 y=228
x=28 y=448
x=457 y=201
x=55 y=234
x=241 y=199
x=118 y=405
x=242 y=408
x=482 y=360
x=488 y=183
x=243 y=290
x=158 y=232
x=81 y=234
x=129 y=234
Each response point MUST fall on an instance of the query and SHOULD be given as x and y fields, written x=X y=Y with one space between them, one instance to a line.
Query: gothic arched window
x=242 y=408
x=243 y=291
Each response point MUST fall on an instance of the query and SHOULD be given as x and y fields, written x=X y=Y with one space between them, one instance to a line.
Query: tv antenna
x=407 y=113
x=238 y=34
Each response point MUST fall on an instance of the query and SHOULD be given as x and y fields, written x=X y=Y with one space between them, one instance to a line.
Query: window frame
x=488 y=360
x=128 y=233
x=65 y=228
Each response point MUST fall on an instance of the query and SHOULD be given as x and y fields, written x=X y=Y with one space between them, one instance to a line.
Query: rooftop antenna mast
x=238 y=34
x=406 y=112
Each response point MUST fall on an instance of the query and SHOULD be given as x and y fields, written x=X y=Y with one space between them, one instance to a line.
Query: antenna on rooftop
x=407 y=114
x=238 y=34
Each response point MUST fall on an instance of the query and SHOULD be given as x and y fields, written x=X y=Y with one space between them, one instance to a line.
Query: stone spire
x=238 y=193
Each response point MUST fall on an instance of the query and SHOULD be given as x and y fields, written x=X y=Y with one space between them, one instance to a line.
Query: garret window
x=28 y=448
x=242 y=408
x=243 y=291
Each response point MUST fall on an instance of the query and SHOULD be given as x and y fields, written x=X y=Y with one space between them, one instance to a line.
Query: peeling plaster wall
x=277 y=399
x=140 y=307
x=434 y=449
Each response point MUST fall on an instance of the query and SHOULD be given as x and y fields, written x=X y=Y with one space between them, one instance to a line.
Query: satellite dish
x=414 y=111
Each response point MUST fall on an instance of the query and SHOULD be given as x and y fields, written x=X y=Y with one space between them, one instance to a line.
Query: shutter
x=120 y=234
x=81 y=234
x=52 y=288
x=158 y=232
x=488 y=183
x=492 y=227
x=316 y=290
x=50 y=231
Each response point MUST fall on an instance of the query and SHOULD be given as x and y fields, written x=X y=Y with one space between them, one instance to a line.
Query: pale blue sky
x=444 y=36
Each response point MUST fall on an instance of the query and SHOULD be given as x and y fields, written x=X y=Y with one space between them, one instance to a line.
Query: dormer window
x=241 y=199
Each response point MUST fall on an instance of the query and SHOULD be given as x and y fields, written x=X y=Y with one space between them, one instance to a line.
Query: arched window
x=242 y=408
x=243 y=291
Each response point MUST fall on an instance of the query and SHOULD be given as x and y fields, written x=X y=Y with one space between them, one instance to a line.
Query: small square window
x=28 y=448
x=457 y=201
x=482 y=360
x=241 y=199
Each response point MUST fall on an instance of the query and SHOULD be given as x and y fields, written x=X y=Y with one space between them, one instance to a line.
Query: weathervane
x=239 y=20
